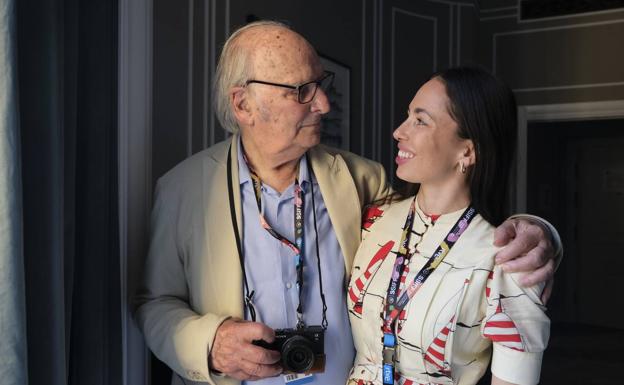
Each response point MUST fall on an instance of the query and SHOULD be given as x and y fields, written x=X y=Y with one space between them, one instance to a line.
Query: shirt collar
x=244 y=176
x=243 y=170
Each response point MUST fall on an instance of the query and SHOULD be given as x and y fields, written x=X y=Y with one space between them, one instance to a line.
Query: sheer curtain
x=12 y=311
x=67 y=81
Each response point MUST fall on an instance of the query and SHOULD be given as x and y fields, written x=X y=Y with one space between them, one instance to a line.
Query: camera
x=302 y=349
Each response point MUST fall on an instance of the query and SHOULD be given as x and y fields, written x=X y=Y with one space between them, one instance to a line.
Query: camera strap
x=297 y=246
x=395 y=306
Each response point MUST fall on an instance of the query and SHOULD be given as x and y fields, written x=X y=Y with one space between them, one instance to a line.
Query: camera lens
x=297 y=355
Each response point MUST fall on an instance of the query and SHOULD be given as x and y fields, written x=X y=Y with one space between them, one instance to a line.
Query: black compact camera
x=302 y=349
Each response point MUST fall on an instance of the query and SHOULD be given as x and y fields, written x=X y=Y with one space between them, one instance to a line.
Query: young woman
x=427 y=303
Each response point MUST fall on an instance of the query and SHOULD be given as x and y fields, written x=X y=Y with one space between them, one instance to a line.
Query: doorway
x=575 y=179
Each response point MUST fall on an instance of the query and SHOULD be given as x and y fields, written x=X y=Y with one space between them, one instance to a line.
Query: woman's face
x=430 y=150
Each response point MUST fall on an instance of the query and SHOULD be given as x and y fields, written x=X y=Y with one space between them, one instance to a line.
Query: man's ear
x=240 y=105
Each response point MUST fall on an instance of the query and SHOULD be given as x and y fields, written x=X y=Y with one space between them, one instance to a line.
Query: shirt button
x=288 y=285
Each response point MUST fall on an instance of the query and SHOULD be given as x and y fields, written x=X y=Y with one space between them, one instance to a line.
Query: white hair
x=234 y=69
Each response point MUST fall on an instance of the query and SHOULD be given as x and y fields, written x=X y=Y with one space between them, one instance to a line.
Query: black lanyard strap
x=393 y=310
x=318 y=258
x=248 y=295
x=394 y=307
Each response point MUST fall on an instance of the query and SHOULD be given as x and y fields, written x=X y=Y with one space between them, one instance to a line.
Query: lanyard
x=249 y=294
x=394 y=306
x=298 y=245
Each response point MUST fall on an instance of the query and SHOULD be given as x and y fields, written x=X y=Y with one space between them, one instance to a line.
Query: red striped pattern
x=501 y=329
x=435 y=352
x=355 y=291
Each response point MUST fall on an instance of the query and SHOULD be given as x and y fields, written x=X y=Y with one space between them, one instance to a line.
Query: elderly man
x=252 y=227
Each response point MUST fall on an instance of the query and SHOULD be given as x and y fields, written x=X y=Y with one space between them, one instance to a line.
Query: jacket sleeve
x=178 y=336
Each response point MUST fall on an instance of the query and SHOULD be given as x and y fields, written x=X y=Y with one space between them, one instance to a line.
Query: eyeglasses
x=305 y=91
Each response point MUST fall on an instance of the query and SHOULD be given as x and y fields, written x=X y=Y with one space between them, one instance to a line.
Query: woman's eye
x=420 y=122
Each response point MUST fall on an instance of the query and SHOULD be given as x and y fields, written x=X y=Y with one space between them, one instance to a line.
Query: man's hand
x=234 y=355
x=529 y=250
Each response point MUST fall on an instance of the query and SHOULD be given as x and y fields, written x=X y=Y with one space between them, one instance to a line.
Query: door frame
x=612 y=109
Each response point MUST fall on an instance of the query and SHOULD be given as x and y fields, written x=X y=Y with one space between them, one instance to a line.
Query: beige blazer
x=193 y=280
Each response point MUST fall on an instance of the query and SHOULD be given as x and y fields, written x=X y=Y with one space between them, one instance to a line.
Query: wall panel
x=567 y=59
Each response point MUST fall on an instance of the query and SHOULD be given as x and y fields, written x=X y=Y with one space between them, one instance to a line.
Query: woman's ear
x=469 y=155
x=240 y=105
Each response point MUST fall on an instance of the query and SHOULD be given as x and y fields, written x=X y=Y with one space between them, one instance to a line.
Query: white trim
x=570 y=87
x=458 y=47
x=123 y=126
x=213 y=58
x=488 y=10
x=380 y=79
x=510 y=16
x=435 y=34
x=392 y=76
x=189 y=85
x=559 y=27
x=206 y=69
x=396 y=10
x=545 y=29
x=450 y=23
x=135 y=179
x=227 y=19
x=562 y=17
x=377 y=57
x=451 y=3
x=363 y=86
x=555 y=112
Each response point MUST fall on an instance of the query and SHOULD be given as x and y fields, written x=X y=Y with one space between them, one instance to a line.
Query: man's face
x=281 y=126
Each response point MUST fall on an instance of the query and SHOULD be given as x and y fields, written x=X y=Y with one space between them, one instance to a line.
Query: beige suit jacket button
x=196 y=376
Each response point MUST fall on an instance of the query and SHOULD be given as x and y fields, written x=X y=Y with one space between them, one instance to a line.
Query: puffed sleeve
x=516 y=324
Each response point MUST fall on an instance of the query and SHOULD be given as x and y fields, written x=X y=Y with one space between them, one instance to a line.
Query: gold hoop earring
x=462 y=167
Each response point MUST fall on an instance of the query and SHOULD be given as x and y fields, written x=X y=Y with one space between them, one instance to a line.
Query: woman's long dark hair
x=484 y=109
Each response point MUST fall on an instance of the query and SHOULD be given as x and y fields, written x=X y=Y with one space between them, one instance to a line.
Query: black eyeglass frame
x=318 y=82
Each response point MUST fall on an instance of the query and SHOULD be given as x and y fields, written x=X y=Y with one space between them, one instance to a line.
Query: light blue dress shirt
x=270 y=268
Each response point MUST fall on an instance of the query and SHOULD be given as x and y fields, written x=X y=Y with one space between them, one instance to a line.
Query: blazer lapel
x=222 y=273
x=341 y=199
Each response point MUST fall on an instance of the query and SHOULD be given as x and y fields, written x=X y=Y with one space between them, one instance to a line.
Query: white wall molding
x=500 y=17
x=434 y=22
x=569 y=87
x=571 y=16
x=363 y=83
x=458 y=37
x=554 y=112
x=451 y=25
x=490 y=10
x=134 y=141
x=189 y=80
x=448 y=2
x=377 y=78
x=545 y=29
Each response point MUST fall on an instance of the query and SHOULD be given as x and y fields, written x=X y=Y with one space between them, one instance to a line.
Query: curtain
x=67 y=71
x=12 y=308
